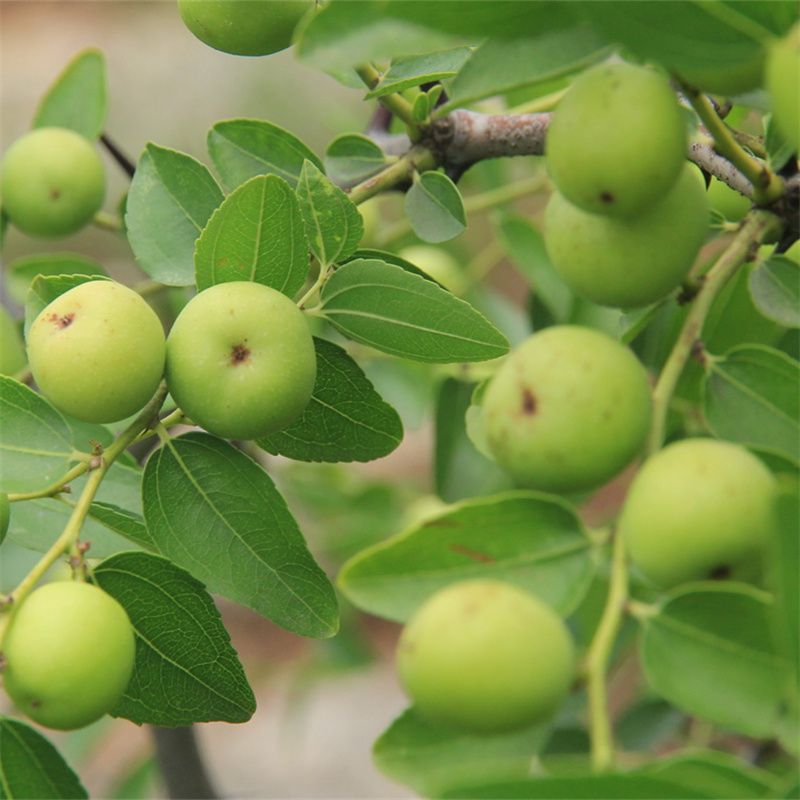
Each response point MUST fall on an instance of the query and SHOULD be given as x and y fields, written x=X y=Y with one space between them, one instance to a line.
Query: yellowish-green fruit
x=12 y=351
x=371 y=217
x=728 y=202
x=633 y=261
x=5 y=515
x=617 y=140
x=727 y=79
x=486 y=657
x=244 y=27
x=97 y=351
x=241 y=360
x=567 y=410
x=69 y=655
x=52 y=182
x=700 y=508
x=783 y=84
x=437 y=263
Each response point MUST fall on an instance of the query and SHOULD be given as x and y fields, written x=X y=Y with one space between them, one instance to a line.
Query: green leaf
x=172 y=197
x=244 y=148
x=21 y=272
x=36 y=445
x=46 y=288
x=649 y=724
x=775 y=289
x=216 y=513
x=431 y=759
x=345 y=420
x=708 y=650
x=611 y=786
x=751 y=397
x=255 y=235
x=77 y=98
x=186 y=670
x=529 y=539
x=409 y=71
x=384 y=306
x=390 y=258
x=333 y=225
x=31 y=768
x=434 y=208
x=110 y=528
x=353 y=157
x=525 y=247
x=500 y=65
x=714 y=774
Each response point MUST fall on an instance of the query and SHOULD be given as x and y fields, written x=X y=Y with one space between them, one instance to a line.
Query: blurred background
x=320 y=704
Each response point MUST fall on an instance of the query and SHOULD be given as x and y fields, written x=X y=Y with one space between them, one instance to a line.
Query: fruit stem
x=600 y=728
x=396 y=103
x=755 y=227
x=73 y=527
x=106 y=221
x=767 y=186
x=53 y=488
x=324 y=271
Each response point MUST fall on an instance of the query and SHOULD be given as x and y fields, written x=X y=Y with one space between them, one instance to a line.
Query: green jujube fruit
x=241 y=360
x=69 y=655
x=52 y=182
x=617 y=140
x=244 y=27
x=486 y=657
x=97 y=351
x=567 y=410
x=699 y=508
x=631 y=262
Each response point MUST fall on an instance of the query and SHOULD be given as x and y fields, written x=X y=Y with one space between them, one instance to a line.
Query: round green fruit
x=52 y=183
x=437 y=263
x=241 y=360
x=728 y=202
x=244 y=27
x=629 y=262
x=567 y=410
x=12 y=351
x=698 y=509
x=5 y=515
x=69 y=655
x=783 y=85
x=486 y=657
x=617 y=140
x=97 y=351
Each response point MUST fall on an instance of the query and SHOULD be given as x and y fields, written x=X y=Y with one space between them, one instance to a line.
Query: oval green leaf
x=353 y=157
x=255 y=235
x=434 y=208
x=21 y=272
x=529 y=539
x=775 y=289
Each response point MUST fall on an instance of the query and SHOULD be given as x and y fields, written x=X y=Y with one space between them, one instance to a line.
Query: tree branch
x=181 y=764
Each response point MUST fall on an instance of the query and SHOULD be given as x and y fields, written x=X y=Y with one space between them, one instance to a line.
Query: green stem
x=415 y=160
x=69 y=536
x=600 y=727
x=396 y=103
x=53 y=488
x=767 y=186
x=315 y=287
x=756 y=226
x=109 y=222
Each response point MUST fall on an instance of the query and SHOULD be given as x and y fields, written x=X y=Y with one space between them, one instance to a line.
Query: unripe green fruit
x=629 y=262
x=567 y=410
x=53 y=182
x=12 y=351
x=69 y=655
x=241 y=360
x=727 y=79
x=97 y=351
x=728 y=202
x=371 y=217
x=698 y=509
x=5 y=515
x=485 y=656
x=437 y=263
x=617 y=140
x=783 y=84
x=244 y=27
